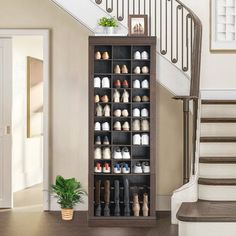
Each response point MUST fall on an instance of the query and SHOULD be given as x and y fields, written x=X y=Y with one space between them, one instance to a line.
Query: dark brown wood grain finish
x=207 y=211
x=218 y=120
x=218 y=139
x=218 y=160
x=219 y=102
x=217 y=182
x=131 y=43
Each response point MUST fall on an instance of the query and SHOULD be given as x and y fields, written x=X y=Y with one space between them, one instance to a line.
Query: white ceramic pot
x=108 y=30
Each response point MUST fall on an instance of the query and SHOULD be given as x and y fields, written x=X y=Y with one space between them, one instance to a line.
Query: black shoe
x=98 y=140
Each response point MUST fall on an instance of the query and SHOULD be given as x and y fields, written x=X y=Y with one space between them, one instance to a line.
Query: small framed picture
x=138 y=25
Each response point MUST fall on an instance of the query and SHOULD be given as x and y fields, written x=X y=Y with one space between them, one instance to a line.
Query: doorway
x=28 y=132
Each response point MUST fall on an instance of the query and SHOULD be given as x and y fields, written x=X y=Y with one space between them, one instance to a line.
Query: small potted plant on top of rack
x=68 y=192
x=108 y=24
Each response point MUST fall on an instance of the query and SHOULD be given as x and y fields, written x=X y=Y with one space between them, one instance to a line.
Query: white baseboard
x=227 y=94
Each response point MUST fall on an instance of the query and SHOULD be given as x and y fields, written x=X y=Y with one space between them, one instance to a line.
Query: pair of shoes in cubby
x=121 y=69
x=118 y=127
x=102 y=169
x=136 y=205
x=101 y=83
x=141 y=99
x=117 y=97
x=139 y=70
x=119 y=154
x=140 y=125
x=119 y=113
x=104 y=153
x=141 y=56
x=104 y=55
x=99 y=141
x=102 y=127
x=103 y=111
x=121 y=168
x=140 y=168
x=119 y=84
x=144 y=84
x=140 y=112
x=103 y=98
x=139 y=139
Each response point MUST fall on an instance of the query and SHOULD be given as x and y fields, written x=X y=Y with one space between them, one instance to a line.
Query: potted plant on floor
x=69 y=193
x=108 y=24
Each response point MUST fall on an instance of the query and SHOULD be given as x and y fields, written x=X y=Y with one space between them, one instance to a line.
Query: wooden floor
x=50 y=224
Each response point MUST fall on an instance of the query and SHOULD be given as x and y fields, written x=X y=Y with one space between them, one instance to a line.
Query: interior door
x=5 y=122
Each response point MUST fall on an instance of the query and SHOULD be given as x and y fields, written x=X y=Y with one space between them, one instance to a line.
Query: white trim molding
x=227 y=93
x=45 y=33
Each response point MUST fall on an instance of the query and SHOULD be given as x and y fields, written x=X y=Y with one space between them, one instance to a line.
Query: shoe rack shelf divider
x=121 y=51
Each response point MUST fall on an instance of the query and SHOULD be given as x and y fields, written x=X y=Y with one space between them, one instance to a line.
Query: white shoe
x=138 y=168
x=107 y=111
x=144 y=112
x=98 y=168
x=125 y=97
x=99 y=110
x=117 y=126
x=98 y=154
x=145 y=139
x=105 y=126
x=117 y=113
x=117 y=169
x=116 y=96
x=146 y=167
x=125 y=168
x=117 y=154
x=97 y=82
x=145 y=125
x=126 y=126
x=106 y=168
x=136 y=125
x=137 y=55
x=106 y=154
x=137 y=139
x=105 y=82
x=145 y=70
x=97 y=126
x=125 y=113
x=137 y=70
x=125 y=153
x=136 y=84
x=144 y=55
x=145 y=84
x=136 y=112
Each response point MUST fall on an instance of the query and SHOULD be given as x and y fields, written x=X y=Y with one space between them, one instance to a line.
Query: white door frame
x=45 y=34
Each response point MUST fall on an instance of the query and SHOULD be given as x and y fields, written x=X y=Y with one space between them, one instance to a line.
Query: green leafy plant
x=108 y=22
x=68 y=192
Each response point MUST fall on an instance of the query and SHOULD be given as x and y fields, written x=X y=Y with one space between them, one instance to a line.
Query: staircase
x=215 y=211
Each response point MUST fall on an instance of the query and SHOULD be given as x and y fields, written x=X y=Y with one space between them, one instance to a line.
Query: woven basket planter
x=67 y=214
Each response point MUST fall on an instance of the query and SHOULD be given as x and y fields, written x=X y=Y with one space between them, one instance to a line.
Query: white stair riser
x=207 y=228
x=218 y=129
x=217 y=193
x=220 y=171
x=209 y=111
x=218 y=149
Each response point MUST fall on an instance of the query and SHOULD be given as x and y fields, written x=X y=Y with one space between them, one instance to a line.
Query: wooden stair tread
x=219 y=102
x=207 y=211
x=217 y=182
x=216 y=160
x=217 y=139
x=218 y=120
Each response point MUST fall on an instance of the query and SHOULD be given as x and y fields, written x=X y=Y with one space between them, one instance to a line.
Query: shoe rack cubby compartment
x=122 y=131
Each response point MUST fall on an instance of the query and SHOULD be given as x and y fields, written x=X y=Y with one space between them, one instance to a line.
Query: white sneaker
x=138 y=168
x=145 y=84
x=125 y=153
x=98 y=168
x=98 y=154
x=145 y=139
x=117 y=126
x=144 y=112
x=107 y=111
x=145 y=70
x=125 y=168
x=106 y=153
x=117 y=168
x=117 y=154
x=146 y=167
x=97 y=82
x=126 y=126
x=137 y=70
x=105 y=126
x=144 y=55
x=99 y=110
x=125 y=96
x=136 y=84
x=137 y=55
x=105 y=82
x=117 y=113
x=97 y=126
x=116 y=96
x=125 y=113
x=106 y=168
x=136 y=125
x=137 y=139
x=136 y=112
x=145 y=125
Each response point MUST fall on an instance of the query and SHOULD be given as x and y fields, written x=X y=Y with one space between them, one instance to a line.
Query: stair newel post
x=186 y=161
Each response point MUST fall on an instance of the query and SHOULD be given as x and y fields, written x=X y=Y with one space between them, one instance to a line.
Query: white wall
x=218 y=70
x=27 y=152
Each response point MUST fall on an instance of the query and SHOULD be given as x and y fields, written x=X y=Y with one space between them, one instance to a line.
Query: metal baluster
x=109 y=9
x=171 y=29
x=139 y=7
x=133 y=7
x=120 y=18
x=98 y=1
x=144 y=7
x=182 y=29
